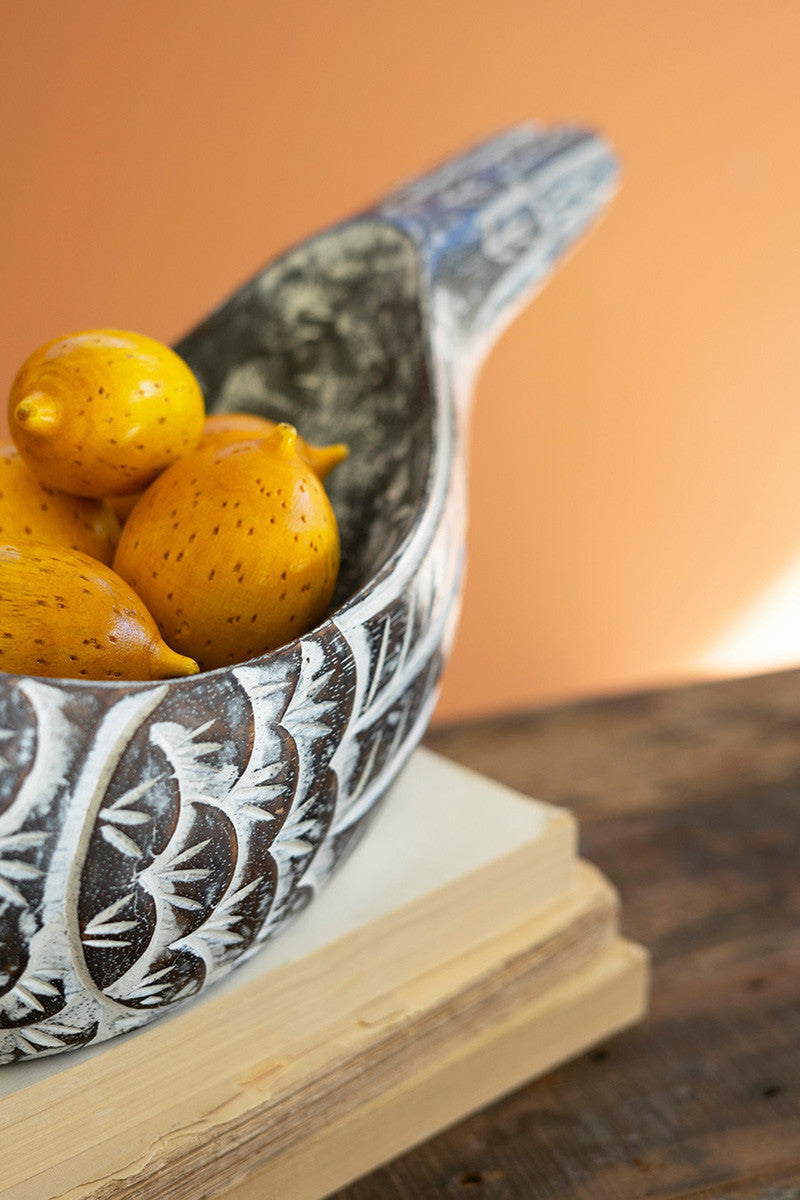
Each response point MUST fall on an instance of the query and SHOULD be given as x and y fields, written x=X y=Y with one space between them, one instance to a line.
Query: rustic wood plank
x=689 y=800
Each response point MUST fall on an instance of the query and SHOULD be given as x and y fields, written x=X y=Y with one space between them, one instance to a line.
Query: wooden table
x=689 y=799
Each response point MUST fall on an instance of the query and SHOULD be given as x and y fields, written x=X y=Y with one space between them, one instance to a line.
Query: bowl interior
x=330 y=337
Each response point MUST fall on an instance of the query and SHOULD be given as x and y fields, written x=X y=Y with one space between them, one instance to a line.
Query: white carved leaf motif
x=218 y=932
x=311 y=720
x=32 y=989
x=105 y=929
x=265 y=779
x=402 y=649
x=118 y=821
x=150 y=989
x=309 y=716
x=14 y=872
x=298 y=838
x=44 y=1036
x=214 y=794
x=169 y=870
x=185 y=877
x=33 y=999
x=198 y=781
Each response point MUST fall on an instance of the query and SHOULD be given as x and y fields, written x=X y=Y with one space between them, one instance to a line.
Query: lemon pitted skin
x=234 y=550
x=30 y=510
x=65 y=615
x=102 y=412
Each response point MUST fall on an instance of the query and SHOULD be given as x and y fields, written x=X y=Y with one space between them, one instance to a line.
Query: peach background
x=636 y=438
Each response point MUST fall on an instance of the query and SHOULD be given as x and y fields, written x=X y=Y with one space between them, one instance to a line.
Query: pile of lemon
x=140 y=539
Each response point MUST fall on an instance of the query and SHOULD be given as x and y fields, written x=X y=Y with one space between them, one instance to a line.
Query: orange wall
x=636 y=439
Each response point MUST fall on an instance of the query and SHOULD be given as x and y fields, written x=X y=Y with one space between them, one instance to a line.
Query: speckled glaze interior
x=153 y=835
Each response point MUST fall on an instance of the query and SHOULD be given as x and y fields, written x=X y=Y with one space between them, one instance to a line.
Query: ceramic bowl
x=153 y=835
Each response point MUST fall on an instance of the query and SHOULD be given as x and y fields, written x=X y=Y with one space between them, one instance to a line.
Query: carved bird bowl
x=153 y=835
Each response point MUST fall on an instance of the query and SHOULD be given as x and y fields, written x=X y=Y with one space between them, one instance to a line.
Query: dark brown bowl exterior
x=154 y=835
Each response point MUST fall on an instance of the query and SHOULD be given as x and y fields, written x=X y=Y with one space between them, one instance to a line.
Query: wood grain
x=689 y=800
x=608 y=993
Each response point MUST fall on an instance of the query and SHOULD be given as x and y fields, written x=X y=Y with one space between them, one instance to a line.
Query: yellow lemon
x=234 y=550
x=67 y=616
x=29 y=509
x=102 y=412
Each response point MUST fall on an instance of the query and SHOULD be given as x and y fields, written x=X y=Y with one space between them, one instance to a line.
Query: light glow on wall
x=765 y=637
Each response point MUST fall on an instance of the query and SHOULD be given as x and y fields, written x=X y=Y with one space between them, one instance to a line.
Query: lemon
x=234 y=549
x=102 y=412
x=30 y=510
x=66 y=615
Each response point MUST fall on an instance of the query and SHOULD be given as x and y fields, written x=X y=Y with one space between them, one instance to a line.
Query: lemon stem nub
x=37 y=413
x=282 y=440
x=323 y=459
x=168 y=664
